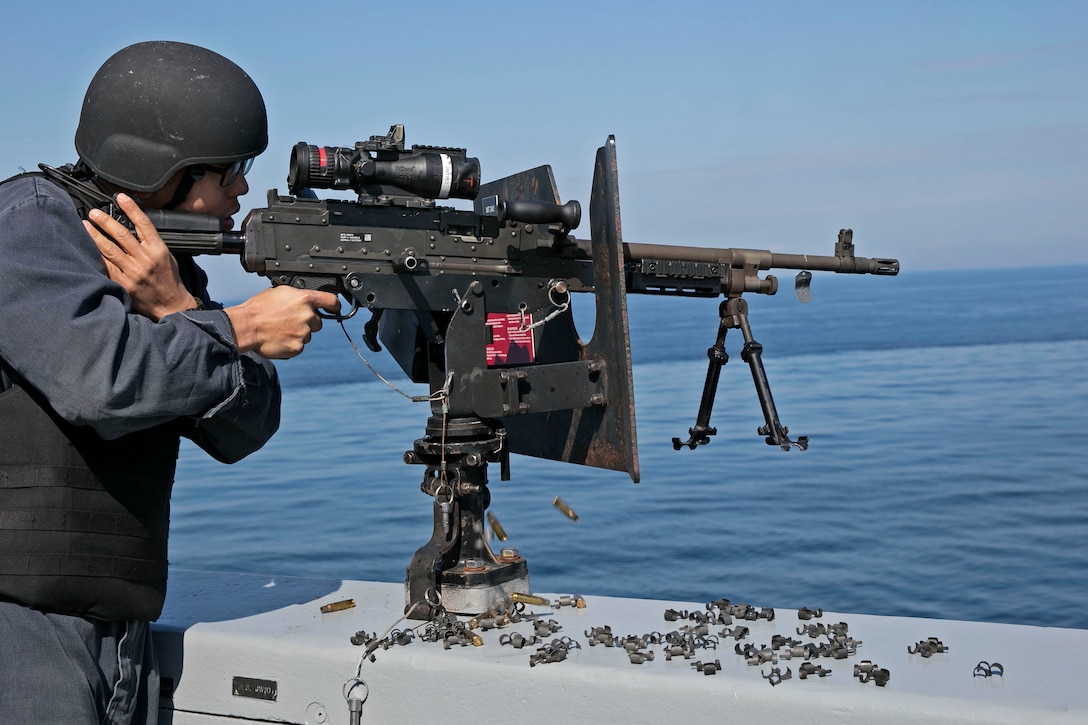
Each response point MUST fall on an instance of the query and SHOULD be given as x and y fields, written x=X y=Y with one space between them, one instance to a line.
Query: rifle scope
x=428 y=172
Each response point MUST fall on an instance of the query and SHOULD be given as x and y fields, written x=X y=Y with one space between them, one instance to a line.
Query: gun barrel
x=761 y=259
x=844 y=265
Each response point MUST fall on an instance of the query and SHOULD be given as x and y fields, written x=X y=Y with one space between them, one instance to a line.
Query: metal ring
x=356 y=682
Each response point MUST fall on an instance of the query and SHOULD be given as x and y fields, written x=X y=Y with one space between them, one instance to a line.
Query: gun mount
x=477 y=305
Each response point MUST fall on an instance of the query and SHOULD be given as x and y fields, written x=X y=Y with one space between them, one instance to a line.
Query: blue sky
x=951 y=135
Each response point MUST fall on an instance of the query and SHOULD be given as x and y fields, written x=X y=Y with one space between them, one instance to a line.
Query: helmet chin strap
x=185 y=185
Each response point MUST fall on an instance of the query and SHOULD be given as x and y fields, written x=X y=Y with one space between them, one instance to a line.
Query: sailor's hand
x=278 y=322
x=140 y=262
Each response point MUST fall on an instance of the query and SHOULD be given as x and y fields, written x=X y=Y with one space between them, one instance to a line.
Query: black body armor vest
x=83 y=520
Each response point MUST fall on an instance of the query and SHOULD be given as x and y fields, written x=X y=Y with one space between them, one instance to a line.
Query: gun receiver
x=477 y=304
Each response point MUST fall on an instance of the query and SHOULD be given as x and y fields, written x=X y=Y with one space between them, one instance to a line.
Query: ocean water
x=947 y=474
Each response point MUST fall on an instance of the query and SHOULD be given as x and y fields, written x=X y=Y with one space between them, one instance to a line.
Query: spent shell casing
x=562 y=506
x=500 y=532
x=337 y=606
x=528 y=599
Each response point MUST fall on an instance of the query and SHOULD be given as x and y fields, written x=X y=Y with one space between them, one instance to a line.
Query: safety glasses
x=229 y=173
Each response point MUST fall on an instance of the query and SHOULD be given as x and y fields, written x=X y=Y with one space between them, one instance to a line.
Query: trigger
x=370 y=331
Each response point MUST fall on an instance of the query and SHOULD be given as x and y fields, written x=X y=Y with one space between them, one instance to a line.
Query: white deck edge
x=218 y=627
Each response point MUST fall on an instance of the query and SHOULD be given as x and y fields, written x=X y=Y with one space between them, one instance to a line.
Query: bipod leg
x=776 y=433
x=701 y=432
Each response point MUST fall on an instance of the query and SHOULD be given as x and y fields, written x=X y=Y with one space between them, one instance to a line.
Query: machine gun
x=477 y=304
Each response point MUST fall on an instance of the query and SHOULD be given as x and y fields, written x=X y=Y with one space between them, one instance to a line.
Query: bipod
x=733 y=314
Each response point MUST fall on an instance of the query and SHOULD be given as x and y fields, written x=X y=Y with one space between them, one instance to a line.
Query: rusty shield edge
x=611 y=341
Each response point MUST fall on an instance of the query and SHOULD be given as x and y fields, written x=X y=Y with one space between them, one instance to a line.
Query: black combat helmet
x=157 y=107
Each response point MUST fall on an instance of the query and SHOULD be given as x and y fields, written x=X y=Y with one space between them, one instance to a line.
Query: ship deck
x=259 y=648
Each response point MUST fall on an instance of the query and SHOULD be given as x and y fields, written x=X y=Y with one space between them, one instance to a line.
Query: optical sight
x=431 y=172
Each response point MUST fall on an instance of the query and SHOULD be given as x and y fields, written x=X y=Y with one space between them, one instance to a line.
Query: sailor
x=110 y=351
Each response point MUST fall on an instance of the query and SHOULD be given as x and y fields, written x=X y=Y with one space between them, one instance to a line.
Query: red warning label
x=511 y=339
